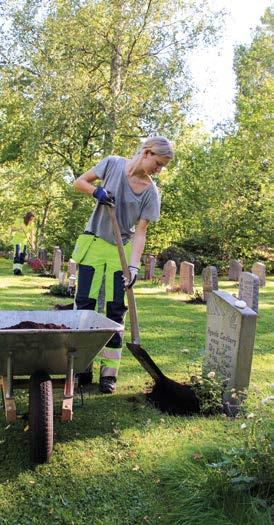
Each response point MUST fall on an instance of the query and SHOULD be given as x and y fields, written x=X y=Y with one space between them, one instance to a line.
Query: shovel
x=168 y=395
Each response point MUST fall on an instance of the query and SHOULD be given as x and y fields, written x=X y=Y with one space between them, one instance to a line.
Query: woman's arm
x=84 y=182
x=138 y=242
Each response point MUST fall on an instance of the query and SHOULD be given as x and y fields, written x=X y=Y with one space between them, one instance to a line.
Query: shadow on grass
x=101 y=416
x=114 y=493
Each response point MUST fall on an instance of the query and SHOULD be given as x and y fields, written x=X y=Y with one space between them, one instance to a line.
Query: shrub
x=36 y=265
x=199 y=251
x=59 y=290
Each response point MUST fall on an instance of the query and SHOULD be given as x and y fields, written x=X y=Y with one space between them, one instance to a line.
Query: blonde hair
x=158 y=145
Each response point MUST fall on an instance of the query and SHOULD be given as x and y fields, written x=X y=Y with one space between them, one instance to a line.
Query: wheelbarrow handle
x=134 y=325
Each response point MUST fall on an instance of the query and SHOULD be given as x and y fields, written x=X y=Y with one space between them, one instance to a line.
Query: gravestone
x=259 y=270
x=30 y=256
x=53 y=255
x=43 y=256
x=186 y=277
x=149 y=267
x=169 y=273
x=72 y=267
x=249 y=290
x=210 y=281
x=230 y=336
x=57 y=262
x=62 y=277
x=235 y=270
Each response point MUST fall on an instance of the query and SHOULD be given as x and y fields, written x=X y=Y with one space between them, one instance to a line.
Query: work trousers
x=19 y=255
x=102 y=258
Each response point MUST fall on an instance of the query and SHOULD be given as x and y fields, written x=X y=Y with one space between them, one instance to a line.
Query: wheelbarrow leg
x=7 y=387
x=67 y=404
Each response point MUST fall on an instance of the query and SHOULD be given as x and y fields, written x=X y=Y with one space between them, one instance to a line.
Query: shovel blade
x=145 y=361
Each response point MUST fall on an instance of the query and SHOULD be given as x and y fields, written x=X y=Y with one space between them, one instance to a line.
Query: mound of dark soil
x=174 y=399
x=194 y=300
x=64 y=306
x=181 y=399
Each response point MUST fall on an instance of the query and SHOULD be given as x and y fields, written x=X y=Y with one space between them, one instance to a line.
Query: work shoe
x=107 y=384
x=17 y=272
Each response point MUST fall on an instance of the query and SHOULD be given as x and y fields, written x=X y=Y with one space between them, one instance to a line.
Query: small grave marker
x=259 y=270
x=43 y=256
x=72 y=267
x=186 y=277
x=210 y=281
x=235 y=270
x=249 y=290
x=149 y=267
x=62 y=277
x=57 y=262
x=169 y=273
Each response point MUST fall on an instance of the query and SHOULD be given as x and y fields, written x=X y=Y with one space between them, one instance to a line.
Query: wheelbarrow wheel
x=40 y=417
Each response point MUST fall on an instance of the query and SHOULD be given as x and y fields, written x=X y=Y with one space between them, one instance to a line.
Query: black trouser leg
x=116 y=309
x=23 y=255
x=83 y=302
x=82 y=299
x=16 y=258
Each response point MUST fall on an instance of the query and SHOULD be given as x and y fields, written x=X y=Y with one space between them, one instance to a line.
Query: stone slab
x=150 y=262
x=260 y=270
x=169 y=273
x=230 y=336
x=57 y=262
x=186 y=277
x=249 y=290
x=235 y=270
x=72 y=267
x=210 y=281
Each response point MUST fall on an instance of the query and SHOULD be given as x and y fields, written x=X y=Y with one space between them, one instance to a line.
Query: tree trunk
x=115 y=82
x=41 y=229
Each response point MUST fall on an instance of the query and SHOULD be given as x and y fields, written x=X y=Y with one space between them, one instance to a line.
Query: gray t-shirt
x=130 y=207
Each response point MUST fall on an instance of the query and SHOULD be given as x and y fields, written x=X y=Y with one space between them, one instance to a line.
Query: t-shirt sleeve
x=101 y=168
x=151 y=208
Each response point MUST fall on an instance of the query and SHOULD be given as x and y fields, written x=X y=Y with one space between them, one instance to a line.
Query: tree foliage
x=80 y=80
x=83 y=79
x=220 y=190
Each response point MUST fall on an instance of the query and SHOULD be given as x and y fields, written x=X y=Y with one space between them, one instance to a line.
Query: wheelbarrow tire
x=40 y=417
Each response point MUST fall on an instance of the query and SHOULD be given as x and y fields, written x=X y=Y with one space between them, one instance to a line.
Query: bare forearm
x=84 y=183
x=138 y=244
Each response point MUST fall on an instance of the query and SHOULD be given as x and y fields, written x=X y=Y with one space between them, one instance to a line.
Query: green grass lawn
x=122 y=462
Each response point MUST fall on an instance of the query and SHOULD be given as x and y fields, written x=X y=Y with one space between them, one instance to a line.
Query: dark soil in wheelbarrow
x=30 y=325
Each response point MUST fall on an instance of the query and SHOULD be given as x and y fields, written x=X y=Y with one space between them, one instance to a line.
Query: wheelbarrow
x=30 y=357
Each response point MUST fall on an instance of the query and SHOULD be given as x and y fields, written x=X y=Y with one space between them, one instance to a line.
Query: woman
x=128 y=184
x=22 y=238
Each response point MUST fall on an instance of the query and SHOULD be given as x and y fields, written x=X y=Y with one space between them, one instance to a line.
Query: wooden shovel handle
x=134 y=325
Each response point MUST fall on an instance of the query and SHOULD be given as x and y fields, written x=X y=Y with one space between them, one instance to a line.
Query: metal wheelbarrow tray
x=40 y=353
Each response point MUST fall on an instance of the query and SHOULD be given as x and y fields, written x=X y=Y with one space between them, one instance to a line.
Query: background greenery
x=120 y=460
x=80 y=80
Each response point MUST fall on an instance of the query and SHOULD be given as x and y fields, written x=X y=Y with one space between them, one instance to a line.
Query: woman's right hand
x=103 y=196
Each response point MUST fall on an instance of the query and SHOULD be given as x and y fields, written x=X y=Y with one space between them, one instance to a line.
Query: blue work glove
x=133 y=270
x=103 y=196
